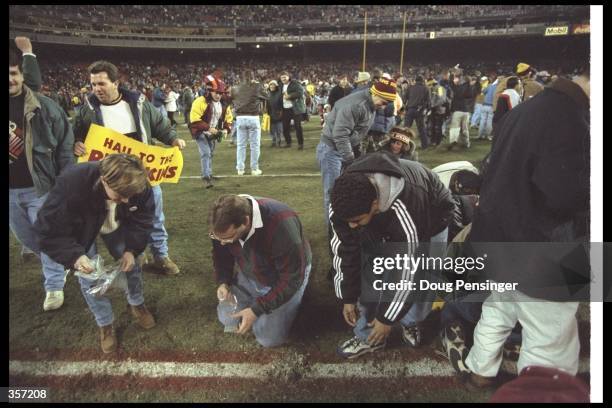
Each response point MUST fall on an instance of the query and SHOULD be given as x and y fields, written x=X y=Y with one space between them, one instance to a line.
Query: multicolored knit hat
x=385 y=89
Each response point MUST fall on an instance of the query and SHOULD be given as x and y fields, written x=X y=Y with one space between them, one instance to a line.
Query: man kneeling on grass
x=266 y=239
x=384 y=204
x=112 y=198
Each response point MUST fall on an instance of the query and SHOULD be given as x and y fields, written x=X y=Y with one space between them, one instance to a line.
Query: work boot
x=166 y=266
x=143 y=317
x=108 y=340
x=208 y=182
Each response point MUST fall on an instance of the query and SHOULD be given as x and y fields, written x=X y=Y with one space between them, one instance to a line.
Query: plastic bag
x=227 y=308
x=104 y=278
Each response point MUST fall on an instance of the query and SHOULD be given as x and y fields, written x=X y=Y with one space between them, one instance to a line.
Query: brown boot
x=166 y=266
x=108 y=341
x=143 y=316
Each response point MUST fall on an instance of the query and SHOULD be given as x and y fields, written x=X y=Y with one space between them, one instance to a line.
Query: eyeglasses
x=226 y=240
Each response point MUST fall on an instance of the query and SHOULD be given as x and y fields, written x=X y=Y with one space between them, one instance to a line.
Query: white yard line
x=425 y=367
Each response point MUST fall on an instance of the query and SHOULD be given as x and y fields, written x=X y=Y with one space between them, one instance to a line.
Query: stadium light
x=290 y=45
x=257 y=46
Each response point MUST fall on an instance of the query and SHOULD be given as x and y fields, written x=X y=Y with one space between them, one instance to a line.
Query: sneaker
x=143 y=317
x=256 y=172
x=411 y=335
x=287 y=146
x=301 y=147
x=108 y=340
x=208 y=182
x=273 y=144
x=512 y=351
x=453 y=343
x=53 y=300
x=477 y=382
x=27 y=255
x=355 y=347
x=166 y=266
x=450 y=146
x=241 y=172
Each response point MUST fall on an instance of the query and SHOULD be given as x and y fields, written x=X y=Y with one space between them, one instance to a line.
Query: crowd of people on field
x=378 y=199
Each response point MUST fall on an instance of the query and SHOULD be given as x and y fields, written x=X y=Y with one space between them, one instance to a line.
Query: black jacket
x=417 y=96
x=463 y=95
x=73 y=213
x=423 y=208
x=536 y=188
x=336 y=93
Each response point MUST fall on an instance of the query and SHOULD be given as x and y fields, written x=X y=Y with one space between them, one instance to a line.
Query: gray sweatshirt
x=348 y=122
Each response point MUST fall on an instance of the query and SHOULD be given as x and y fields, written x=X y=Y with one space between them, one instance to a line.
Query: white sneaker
x=355 y=347
x=256 y=172
x=241 y=172
x=53 y=300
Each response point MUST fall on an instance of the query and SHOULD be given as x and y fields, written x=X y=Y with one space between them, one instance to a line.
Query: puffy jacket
x=149 y=122
x=348 y=123
x=201 y=115
x=274 y=106
x=73 y=213
x=413 y=206
x=49 y=139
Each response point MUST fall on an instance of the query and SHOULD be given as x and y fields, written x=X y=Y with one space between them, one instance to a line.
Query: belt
x=487 y=104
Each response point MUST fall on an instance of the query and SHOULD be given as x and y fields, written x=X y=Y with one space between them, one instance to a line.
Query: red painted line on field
x=258 y=357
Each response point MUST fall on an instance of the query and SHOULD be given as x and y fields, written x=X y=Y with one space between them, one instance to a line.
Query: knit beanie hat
x=385 y=89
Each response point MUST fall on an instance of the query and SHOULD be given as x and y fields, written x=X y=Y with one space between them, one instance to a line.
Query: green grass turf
x=185 y=305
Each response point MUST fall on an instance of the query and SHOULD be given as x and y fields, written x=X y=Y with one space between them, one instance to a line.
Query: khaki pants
x=459 y=130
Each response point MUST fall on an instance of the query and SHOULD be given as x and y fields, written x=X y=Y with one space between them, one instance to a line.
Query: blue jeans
x=206 y=148
x=475 y=119
x=158 y=239
x=101 y=306
x=486 y=121
x=249 y=130
x=24 y=205
x=233 y=135
x=276 y=131
x=418 y=312
x=330 y=163
x=270 y=329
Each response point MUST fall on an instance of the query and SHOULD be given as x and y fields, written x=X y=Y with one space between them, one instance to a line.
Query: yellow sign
x=563 y=30
x=163 y=164
x=581 y=29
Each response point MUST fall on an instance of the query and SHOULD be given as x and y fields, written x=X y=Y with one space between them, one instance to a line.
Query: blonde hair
x=125 y=174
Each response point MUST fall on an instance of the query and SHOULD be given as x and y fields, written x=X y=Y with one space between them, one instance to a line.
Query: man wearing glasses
x=266 y=239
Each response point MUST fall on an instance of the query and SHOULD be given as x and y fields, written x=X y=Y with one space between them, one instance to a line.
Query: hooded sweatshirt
x=414 y=205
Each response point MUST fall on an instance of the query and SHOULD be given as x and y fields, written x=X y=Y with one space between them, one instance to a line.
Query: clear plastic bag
x=105 y=278
x=229 y=306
